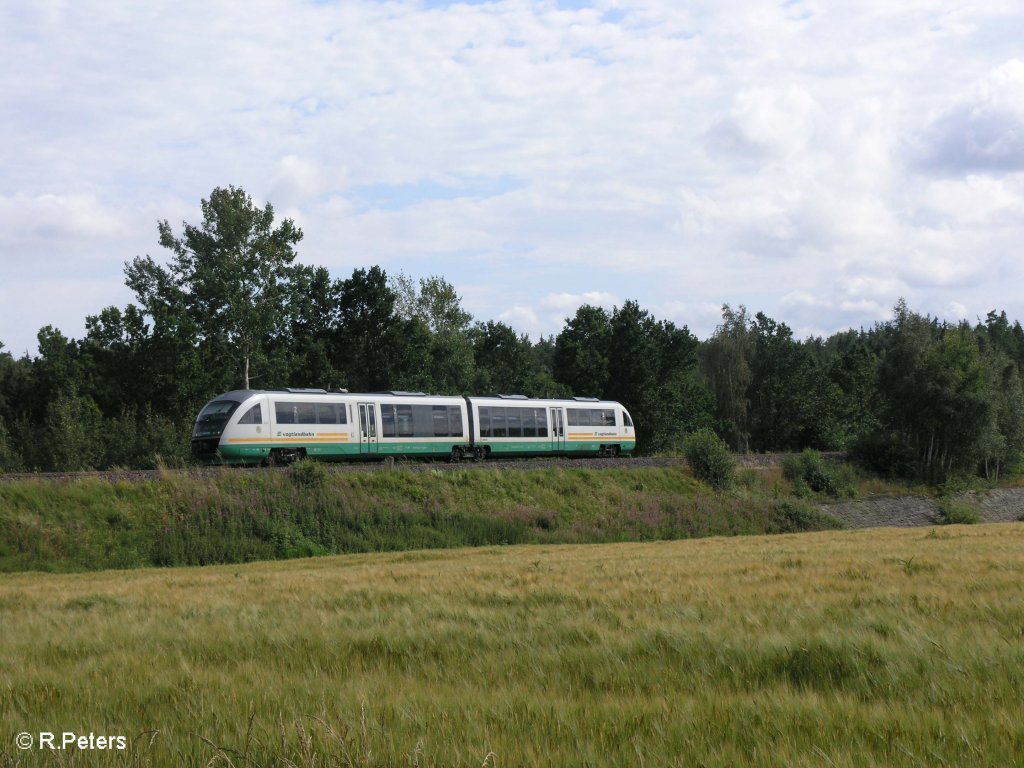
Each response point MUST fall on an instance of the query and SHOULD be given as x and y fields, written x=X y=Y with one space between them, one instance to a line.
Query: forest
x=912 y=397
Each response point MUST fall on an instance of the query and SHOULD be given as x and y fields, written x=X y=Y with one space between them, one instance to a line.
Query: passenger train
x=279 y=427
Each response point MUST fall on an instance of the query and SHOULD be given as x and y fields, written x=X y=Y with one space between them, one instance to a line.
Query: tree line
x=232 y=309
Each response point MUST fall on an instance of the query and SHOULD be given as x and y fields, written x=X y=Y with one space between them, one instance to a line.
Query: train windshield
x=213 y=417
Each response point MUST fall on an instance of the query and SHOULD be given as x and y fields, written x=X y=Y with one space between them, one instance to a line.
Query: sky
x=816 y=161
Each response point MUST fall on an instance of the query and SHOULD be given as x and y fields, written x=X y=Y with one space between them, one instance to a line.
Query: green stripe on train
x=497 y=446
x=248 y=453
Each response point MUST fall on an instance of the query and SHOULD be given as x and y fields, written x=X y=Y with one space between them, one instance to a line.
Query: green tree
x=72 y=434
x=313 y=315
x=368 y=340
x=998 y=334
x=942 y=401
x=726 y=359
x=115 y=366
x=581 y=352
x=652 y=370
x=10 y=460
x=543 y=382
x=433 y=312
x=852 y=362
x=229 y=275
x=791 y=398
x=503 y=360
x=710 y=458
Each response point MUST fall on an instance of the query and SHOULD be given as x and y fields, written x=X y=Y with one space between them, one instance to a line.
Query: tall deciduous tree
x=581 y=352
x=435 y=308
x=504 y=360
x=791 y=398
x=229 y=275
x=313 y=316
x=652 y=370
x=726 y=361
x=367 y=337
x=946 y=406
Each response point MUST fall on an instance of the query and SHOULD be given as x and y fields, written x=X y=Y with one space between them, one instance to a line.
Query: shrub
x=883 y=454
x=710 y=459
x=308 y=473
x=793 y=517
x=812 y=471
x=958 y=512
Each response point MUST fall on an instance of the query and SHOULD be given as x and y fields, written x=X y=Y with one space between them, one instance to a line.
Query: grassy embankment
x=854 y=648
x=241 y=516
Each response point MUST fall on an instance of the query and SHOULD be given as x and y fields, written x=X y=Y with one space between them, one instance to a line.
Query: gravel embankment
x=1000 y=505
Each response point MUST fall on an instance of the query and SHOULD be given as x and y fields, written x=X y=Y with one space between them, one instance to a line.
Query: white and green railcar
x=253 y=427
x=261 y=426
x=520 y=426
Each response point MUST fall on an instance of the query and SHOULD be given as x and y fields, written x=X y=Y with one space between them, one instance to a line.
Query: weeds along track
x=411 y=465
x=747 y=461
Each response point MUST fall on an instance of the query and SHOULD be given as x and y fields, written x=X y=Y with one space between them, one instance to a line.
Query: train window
x=529 y=422
x=607 y=418
x=581 y=417
x=498 y=422
x=484 y=417
x=541 y=416
x=454 y=421
x=253 y=416
x=387 y=421
x=628 y=421
x=305 y=413
x=423 y=421
x=284 y=413
x=403 y=420
x=514 y=421
x=330 y=414
x=439 y=415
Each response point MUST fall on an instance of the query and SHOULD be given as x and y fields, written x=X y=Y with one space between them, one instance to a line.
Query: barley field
x=851 y=648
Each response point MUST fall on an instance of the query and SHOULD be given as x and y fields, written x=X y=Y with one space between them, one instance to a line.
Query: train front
x=210 y=424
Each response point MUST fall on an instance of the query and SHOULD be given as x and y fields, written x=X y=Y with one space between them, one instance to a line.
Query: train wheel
x=282 y=457
x=456 y=455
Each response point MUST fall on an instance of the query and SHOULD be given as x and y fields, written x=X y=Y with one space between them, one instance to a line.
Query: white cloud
x=982 y=130
x=768 y=120
x=523 y=320
x=297 y=180
x=568 y=303
x=60 y=218
x=805 y=158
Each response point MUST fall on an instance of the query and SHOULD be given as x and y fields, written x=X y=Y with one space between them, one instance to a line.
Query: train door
x=367 y=428
x=557 y=430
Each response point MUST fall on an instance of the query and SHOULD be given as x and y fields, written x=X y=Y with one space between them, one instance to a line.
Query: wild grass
x=861 y=648
x=240 y=516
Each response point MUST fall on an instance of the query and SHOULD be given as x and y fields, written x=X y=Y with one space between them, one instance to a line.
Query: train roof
x=244 y=394
x=511 y=399
x=240 y=395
